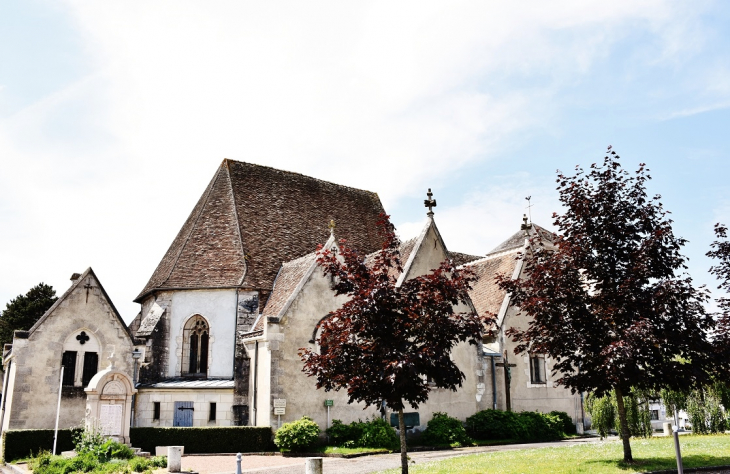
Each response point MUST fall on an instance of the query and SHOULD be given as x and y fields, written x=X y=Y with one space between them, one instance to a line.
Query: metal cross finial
x=430 y=203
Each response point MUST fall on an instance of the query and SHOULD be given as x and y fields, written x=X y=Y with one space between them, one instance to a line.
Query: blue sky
x=115 y=115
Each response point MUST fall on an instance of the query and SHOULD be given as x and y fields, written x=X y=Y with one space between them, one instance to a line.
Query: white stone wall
x=218 y=307
x=527 y=396
x=201 y=399
x=35 y=374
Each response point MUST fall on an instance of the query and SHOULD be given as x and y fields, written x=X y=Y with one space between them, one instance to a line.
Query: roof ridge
x=88 y=272
x=225 y=160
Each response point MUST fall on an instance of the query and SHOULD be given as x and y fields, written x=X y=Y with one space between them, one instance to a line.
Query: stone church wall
x=36 y=360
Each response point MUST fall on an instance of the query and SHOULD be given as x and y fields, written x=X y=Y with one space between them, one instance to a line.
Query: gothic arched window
x=196 y=336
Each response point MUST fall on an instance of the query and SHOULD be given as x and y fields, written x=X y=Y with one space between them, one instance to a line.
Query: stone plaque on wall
x=110 y=419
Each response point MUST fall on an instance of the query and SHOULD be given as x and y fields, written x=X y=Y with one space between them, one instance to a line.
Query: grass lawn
x=602 y=457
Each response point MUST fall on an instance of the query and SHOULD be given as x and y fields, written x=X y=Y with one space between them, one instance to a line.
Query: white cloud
x=491 y=215
x=380 y=95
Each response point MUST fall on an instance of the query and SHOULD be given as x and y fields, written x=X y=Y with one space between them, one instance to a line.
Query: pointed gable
x=253 y=218
x=425 y=254
x=87 y=278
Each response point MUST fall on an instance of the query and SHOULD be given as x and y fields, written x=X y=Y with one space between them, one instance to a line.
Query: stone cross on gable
x=332 y=226
x=430 y=203
x=87 y=286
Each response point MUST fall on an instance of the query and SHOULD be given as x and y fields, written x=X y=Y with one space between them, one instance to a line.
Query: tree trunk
x=403 y=447
x=623 y=426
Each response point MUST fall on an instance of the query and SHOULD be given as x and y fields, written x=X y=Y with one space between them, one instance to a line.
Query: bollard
x=313 y=466
x=174 y=458
x=238 y=463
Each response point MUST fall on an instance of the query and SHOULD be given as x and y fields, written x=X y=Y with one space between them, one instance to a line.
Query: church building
x=238 y=294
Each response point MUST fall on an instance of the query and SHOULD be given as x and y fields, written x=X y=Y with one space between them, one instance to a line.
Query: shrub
x=568 y=427
x=341 y=434
x=158 y=461
x=139 y=464
x=203 y=440
x=443 y=429
x=377 y=433
x=540 y=426
x=297 y=435
x=495 y=424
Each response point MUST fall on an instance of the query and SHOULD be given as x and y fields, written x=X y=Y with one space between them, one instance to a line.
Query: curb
x=724 y=467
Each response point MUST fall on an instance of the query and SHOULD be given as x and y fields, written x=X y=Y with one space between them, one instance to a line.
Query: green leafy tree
x=22 y=312
x=611 y=303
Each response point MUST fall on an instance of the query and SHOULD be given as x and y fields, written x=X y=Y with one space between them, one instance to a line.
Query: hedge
x=205 y=440
x=18 y=444
x=523 y=426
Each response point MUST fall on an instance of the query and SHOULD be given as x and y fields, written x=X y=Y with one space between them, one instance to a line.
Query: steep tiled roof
x=252 y=218
x=289 y=277
x=486 y=295
x=517 y=240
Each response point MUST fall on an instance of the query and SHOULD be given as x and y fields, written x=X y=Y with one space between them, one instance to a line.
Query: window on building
x=654 y=414
x=68 y=362
x=196 y=337
x=156 y=411
x=91 y=366
x=80 y=358
x=537 y=369
x=211 y=416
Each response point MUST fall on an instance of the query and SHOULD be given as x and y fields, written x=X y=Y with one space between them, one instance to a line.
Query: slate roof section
x=252 y=218
x=517 y=240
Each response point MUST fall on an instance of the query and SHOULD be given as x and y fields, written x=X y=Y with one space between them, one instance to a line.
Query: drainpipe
x=255 y=384
x=235 y=336
x=494 y=384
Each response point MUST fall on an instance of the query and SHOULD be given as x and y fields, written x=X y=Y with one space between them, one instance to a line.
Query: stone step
x=140 y=453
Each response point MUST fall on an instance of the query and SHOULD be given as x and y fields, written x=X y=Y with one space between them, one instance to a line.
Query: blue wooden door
x=183 y=414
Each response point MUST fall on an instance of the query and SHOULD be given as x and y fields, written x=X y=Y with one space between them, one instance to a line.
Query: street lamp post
x=136 y=354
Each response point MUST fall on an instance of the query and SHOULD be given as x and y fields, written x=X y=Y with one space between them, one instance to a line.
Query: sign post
x=279 y=408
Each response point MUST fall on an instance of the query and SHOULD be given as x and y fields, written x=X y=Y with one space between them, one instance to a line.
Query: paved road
x=361 y=465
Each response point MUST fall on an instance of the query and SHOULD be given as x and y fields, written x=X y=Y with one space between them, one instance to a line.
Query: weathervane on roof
x=430 y=203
